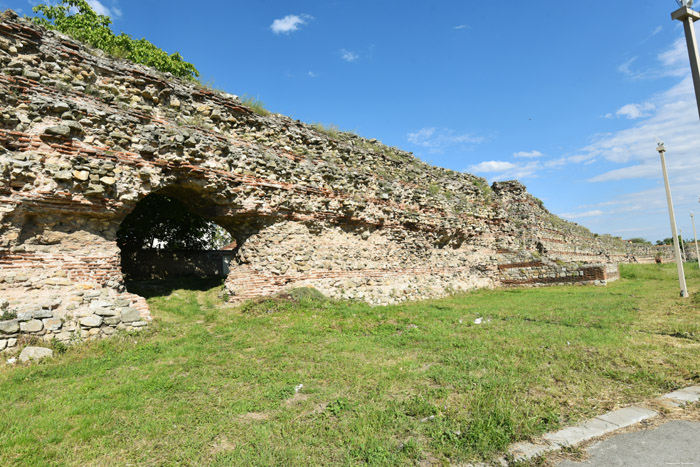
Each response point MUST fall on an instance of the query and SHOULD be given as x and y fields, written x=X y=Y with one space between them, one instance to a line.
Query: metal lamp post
x=688 y=17
x=674 y=234
x=695 y=235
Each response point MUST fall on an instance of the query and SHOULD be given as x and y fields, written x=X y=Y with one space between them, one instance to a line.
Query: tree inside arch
x=162 y=222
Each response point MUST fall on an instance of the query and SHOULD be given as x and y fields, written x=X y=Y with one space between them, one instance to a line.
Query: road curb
x=598 y=426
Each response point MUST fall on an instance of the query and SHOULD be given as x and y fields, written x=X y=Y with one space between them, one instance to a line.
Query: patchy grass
x=219 y=385
x=254 y=104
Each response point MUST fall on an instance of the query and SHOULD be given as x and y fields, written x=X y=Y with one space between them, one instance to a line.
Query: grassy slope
x=212 y=384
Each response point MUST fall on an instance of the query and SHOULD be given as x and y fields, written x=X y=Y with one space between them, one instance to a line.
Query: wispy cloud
x=504 y=170
x=438 y=139
x=114 y=11
x=492 y=166
x=289 y=23
x=348 y=56
x=673 y=117
x=462 y=26
x=580 y=215
x=630 y=154
x=674 y=63
x=633 y=111
x=311 y=74
x=527 y=154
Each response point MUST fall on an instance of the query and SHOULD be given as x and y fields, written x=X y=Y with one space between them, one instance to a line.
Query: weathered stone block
x=64 y=336
x=100 y=304
x=129 y=315
x=9 y=327
x=106 y=312
x=33 y=325
x=58 y=130
x=25 y=315
x=91 y=321
x=34 y=353
x=42 y=314
x=52 y=324
x=81 y=175
x=111 y=321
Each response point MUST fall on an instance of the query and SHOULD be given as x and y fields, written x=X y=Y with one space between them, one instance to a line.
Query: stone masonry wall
x=84 y=137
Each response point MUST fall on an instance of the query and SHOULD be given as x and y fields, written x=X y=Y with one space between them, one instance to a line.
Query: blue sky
x=567 y=98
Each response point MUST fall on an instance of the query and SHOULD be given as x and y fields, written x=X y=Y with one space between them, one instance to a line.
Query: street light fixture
x=672 y=216
x=688 y=17
x=695 y=235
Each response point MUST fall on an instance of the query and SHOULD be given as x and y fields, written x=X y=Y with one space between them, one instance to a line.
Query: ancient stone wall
x=84 y=137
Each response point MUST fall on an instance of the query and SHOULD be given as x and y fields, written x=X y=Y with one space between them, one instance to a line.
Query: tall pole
x=672 y=216
x=680 y=240
x=695 y=235
x=688 y=17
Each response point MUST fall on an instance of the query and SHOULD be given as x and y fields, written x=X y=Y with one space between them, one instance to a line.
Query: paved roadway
x=675 y=443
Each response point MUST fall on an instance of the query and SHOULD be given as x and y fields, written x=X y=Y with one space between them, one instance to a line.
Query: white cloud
x=630 y=154
x=673 y=118
x=348 y=56
x=504 y=170
x=311 y=74
x=528 y=155
x=101 y=9
x=462 y=26
x=657 y=30
x=634 y=111
x=579 y=215
x=625 y=67
x=437 y=139
x=492 y=166
x=289 y=23
x=675 y=57
x=674 y=63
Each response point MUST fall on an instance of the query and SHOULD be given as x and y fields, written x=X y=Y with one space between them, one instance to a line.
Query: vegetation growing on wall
x=77 y=19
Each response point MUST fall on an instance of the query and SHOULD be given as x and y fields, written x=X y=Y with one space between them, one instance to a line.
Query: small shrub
x=77 y=19
x=300 y=294
x=58 y=346
x=330 y=130
x=8 y=314
x=256 y=105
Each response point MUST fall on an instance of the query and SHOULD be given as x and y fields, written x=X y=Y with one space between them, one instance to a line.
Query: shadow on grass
x=163 y=287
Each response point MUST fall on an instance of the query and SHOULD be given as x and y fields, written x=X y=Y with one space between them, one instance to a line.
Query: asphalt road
x=675 y=443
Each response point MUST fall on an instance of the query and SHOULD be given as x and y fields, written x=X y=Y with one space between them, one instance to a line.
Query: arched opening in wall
x=166 y=243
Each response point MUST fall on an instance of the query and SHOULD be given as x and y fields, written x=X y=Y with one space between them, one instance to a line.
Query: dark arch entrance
x=163 y=238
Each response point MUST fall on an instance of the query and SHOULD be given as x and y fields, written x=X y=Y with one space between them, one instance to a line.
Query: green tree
x=640 y=241
x=77 y=19
x=668 y=241
x=161 y=222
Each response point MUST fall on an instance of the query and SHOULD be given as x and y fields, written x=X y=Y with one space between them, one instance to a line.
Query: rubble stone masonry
x=84 y=137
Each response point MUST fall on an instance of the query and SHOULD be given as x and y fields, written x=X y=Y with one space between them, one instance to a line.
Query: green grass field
x=212 y=384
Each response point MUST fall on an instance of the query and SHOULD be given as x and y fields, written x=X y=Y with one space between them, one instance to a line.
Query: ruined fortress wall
x=84 y=137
